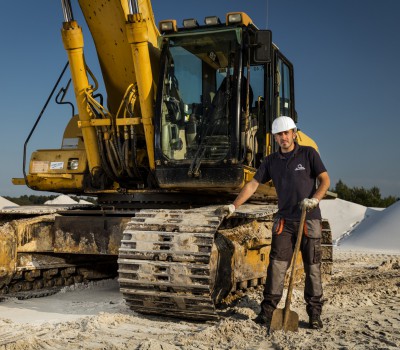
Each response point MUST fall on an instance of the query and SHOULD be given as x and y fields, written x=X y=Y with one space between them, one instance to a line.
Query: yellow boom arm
x=126 y=45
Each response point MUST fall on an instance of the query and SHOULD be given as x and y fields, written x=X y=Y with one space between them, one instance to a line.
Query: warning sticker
x=56 y=165
x=40 y=166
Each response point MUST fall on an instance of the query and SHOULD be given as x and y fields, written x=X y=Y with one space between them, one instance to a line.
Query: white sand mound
x=82 y=201
x=377 y=233
x=343 y=216
x=5 y=203
x=62 y=199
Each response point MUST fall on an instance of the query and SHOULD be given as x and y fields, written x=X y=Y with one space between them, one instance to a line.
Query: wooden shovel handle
x=294 y=258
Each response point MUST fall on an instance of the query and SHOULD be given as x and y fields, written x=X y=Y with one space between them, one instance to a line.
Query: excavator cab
x=220 y=87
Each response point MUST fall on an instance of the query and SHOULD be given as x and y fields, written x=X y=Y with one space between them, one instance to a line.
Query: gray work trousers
x=284 y=235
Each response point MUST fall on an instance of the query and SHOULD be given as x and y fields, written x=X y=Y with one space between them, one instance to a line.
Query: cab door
x=281 y=85
x=283 y=88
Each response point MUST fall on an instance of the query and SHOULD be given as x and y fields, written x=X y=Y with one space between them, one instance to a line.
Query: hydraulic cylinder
x=73 y=43
x=137 y=33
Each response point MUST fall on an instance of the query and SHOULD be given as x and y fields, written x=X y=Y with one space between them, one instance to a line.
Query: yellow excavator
x=185 y=124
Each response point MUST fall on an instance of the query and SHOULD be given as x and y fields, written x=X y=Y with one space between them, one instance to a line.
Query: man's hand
x=226 y=210
x=309 y=203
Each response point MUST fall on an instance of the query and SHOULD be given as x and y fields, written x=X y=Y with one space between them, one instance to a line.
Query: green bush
x=360 y=195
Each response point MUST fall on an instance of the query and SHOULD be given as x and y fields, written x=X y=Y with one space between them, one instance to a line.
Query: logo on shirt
x=299 y=167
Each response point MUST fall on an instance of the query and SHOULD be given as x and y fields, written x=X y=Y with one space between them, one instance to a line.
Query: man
x=295 y=171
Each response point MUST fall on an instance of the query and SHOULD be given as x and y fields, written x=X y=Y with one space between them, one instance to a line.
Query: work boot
x=315 y=321
x=264 y=318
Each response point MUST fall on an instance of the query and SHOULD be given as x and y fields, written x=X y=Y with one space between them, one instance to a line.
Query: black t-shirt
x=294 y=178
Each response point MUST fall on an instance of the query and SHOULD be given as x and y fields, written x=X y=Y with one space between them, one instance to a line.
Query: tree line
x=38 y=200
x=360 y=195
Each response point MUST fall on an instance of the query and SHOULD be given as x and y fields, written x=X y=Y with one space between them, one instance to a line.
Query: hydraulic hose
x=105 y=165
x=67 y=10
x=37 y=122
x=125 y=151
x=133 y=7
x=110 y=158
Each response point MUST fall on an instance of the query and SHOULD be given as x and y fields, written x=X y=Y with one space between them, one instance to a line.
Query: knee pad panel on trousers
x=313 y=282
x=276 y=276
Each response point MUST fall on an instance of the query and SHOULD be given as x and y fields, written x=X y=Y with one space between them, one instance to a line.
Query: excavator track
x=165 y=262
x=42 y=282
x=29 y=266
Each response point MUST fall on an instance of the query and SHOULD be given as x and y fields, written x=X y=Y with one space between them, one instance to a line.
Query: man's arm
x=323 y=186
x=246 y=192
x=324 y=183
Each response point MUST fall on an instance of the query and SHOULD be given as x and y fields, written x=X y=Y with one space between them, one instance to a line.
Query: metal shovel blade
x=278 y=323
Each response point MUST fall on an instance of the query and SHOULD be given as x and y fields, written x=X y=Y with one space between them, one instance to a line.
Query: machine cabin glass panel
x=284 y=87
x=253 y=131
x=196 y=113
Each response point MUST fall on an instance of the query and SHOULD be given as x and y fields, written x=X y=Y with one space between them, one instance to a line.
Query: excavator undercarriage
x=174 y=262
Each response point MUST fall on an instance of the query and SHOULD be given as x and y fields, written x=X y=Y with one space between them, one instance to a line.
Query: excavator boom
x=107 y=23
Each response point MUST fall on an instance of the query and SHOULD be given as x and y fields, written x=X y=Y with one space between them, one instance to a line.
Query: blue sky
x=345 y=54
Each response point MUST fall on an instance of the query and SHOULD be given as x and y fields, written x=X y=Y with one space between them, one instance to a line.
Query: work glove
x=225 y=210
x=309 y=203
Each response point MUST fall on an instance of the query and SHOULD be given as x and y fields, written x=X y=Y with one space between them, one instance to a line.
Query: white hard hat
x=283 y=124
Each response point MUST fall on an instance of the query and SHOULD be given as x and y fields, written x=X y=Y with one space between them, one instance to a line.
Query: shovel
x=287 y=319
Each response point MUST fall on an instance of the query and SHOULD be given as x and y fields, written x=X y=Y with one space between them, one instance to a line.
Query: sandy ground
x=362 y=311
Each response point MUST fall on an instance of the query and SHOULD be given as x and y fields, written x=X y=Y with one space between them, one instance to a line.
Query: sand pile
x=62 y=199
x=82 y=201
x=5 y=203
x=380 y=232
x=343 y=216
